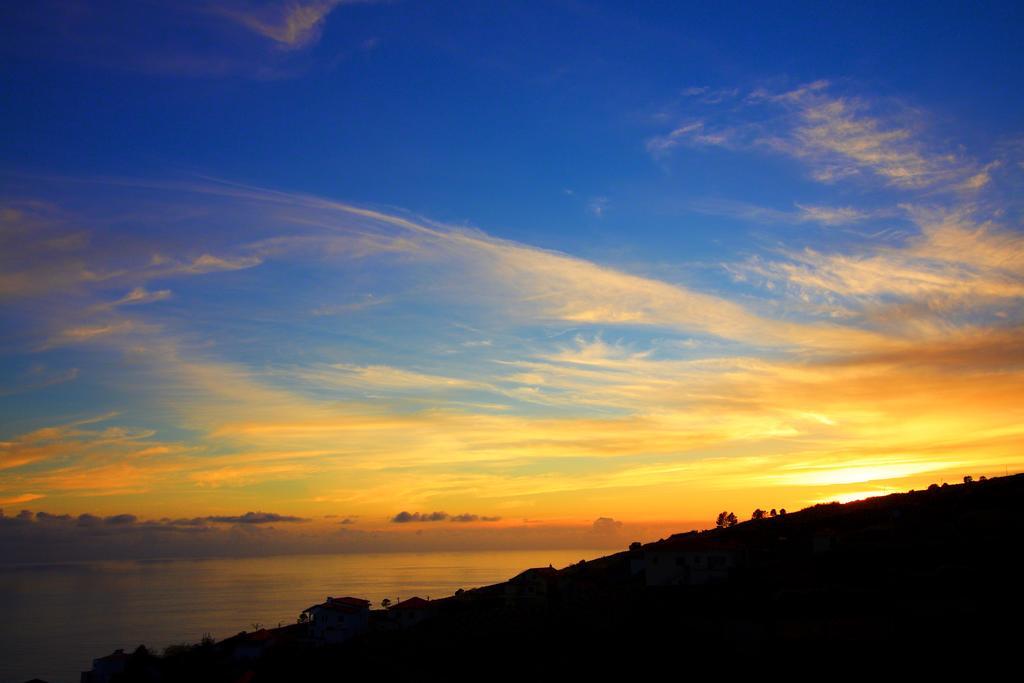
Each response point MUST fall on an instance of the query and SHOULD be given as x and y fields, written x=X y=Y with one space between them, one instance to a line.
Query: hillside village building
x=410 y=612
x=105 y=669
x=531 y=588
x=338 y=619
x=685 y=560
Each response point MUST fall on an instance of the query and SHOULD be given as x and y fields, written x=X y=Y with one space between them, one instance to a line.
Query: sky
x=324 y=275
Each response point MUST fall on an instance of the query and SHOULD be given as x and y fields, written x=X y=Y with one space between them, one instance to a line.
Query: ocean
x=55 y=618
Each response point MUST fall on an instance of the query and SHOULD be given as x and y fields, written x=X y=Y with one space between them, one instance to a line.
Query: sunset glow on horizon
x=728 y=289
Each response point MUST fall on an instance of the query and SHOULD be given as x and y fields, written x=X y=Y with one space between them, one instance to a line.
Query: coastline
x=33 y=637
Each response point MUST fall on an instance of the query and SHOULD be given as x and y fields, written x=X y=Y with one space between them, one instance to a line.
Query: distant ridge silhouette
x=906 y=577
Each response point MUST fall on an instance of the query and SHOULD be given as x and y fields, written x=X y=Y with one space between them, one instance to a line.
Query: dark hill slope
x=919 y=578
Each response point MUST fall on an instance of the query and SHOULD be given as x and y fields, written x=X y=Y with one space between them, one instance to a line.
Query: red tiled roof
x=115 y=655
x=355 y=602
x=345 y=604
x=412 y=603
x=542 y=572
x=262 y=634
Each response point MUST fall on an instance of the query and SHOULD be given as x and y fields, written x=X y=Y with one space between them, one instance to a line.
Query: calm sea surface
x=54 y=619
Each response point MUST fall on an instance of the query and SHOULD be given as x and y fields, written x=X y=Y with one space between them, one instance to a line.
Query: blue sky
x=331 y=258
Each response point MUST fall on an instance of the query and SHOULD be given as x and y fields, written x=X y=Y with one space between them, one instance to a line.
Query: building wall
x=332 y=626
x=526 y=591
x=687 y=567
x=409 y=617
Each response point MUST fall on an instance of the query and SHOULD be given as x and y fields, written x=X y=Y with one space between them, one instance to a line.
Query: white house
x=689 y=562
x=338 y=619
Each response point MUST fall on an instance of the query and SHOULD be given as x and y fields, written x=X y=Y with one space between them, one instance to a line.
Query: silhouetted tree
x=983 y=478
x=757 y=514
x=303 y=618
x=933 y=487
x=177 y=650
x=726 y=519
x=140 y=665
x=385 y=603
x=782 y=512
x=772 y=513
x=968 y=479
x=635 y=545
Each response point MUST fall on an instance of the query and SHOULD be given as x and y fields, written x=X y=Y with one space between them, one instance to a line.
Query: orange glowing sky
x=788 y=291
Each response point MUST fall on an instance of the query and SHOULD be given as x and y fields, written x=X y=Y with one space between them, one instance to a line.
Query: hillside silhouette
x=918 y=578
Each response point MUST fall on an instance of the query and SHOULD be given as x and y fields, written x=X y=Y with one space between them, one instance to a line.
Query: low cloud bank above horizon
x=129 y=520
x=45 y=537
x=255 y=518
x=404 y=517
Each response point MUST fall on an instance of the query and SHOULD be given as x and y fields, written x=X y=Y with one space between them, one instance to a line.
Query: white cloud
x=291 y=24
x=597 y=206
x=831 y=215
x=379 y=377
x=838 y=137
x=140 y=295
x=802 y=213
x=953 y=270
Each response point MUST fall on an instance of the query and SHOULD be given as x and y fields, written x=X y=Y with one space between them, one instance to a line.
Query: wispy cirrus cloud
x=598 y=206
x=48 y=442
x=139 y=295
x=831 y=216
x=689 y=133
x=381 y=377
x=525 y=281
x=838 y=137
x=38 y=376
x=954 y=270
x=263 y=39
x=44 y=250
x=81 y=334
x=293 y=24
x=785 y=384
x=21 y=498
